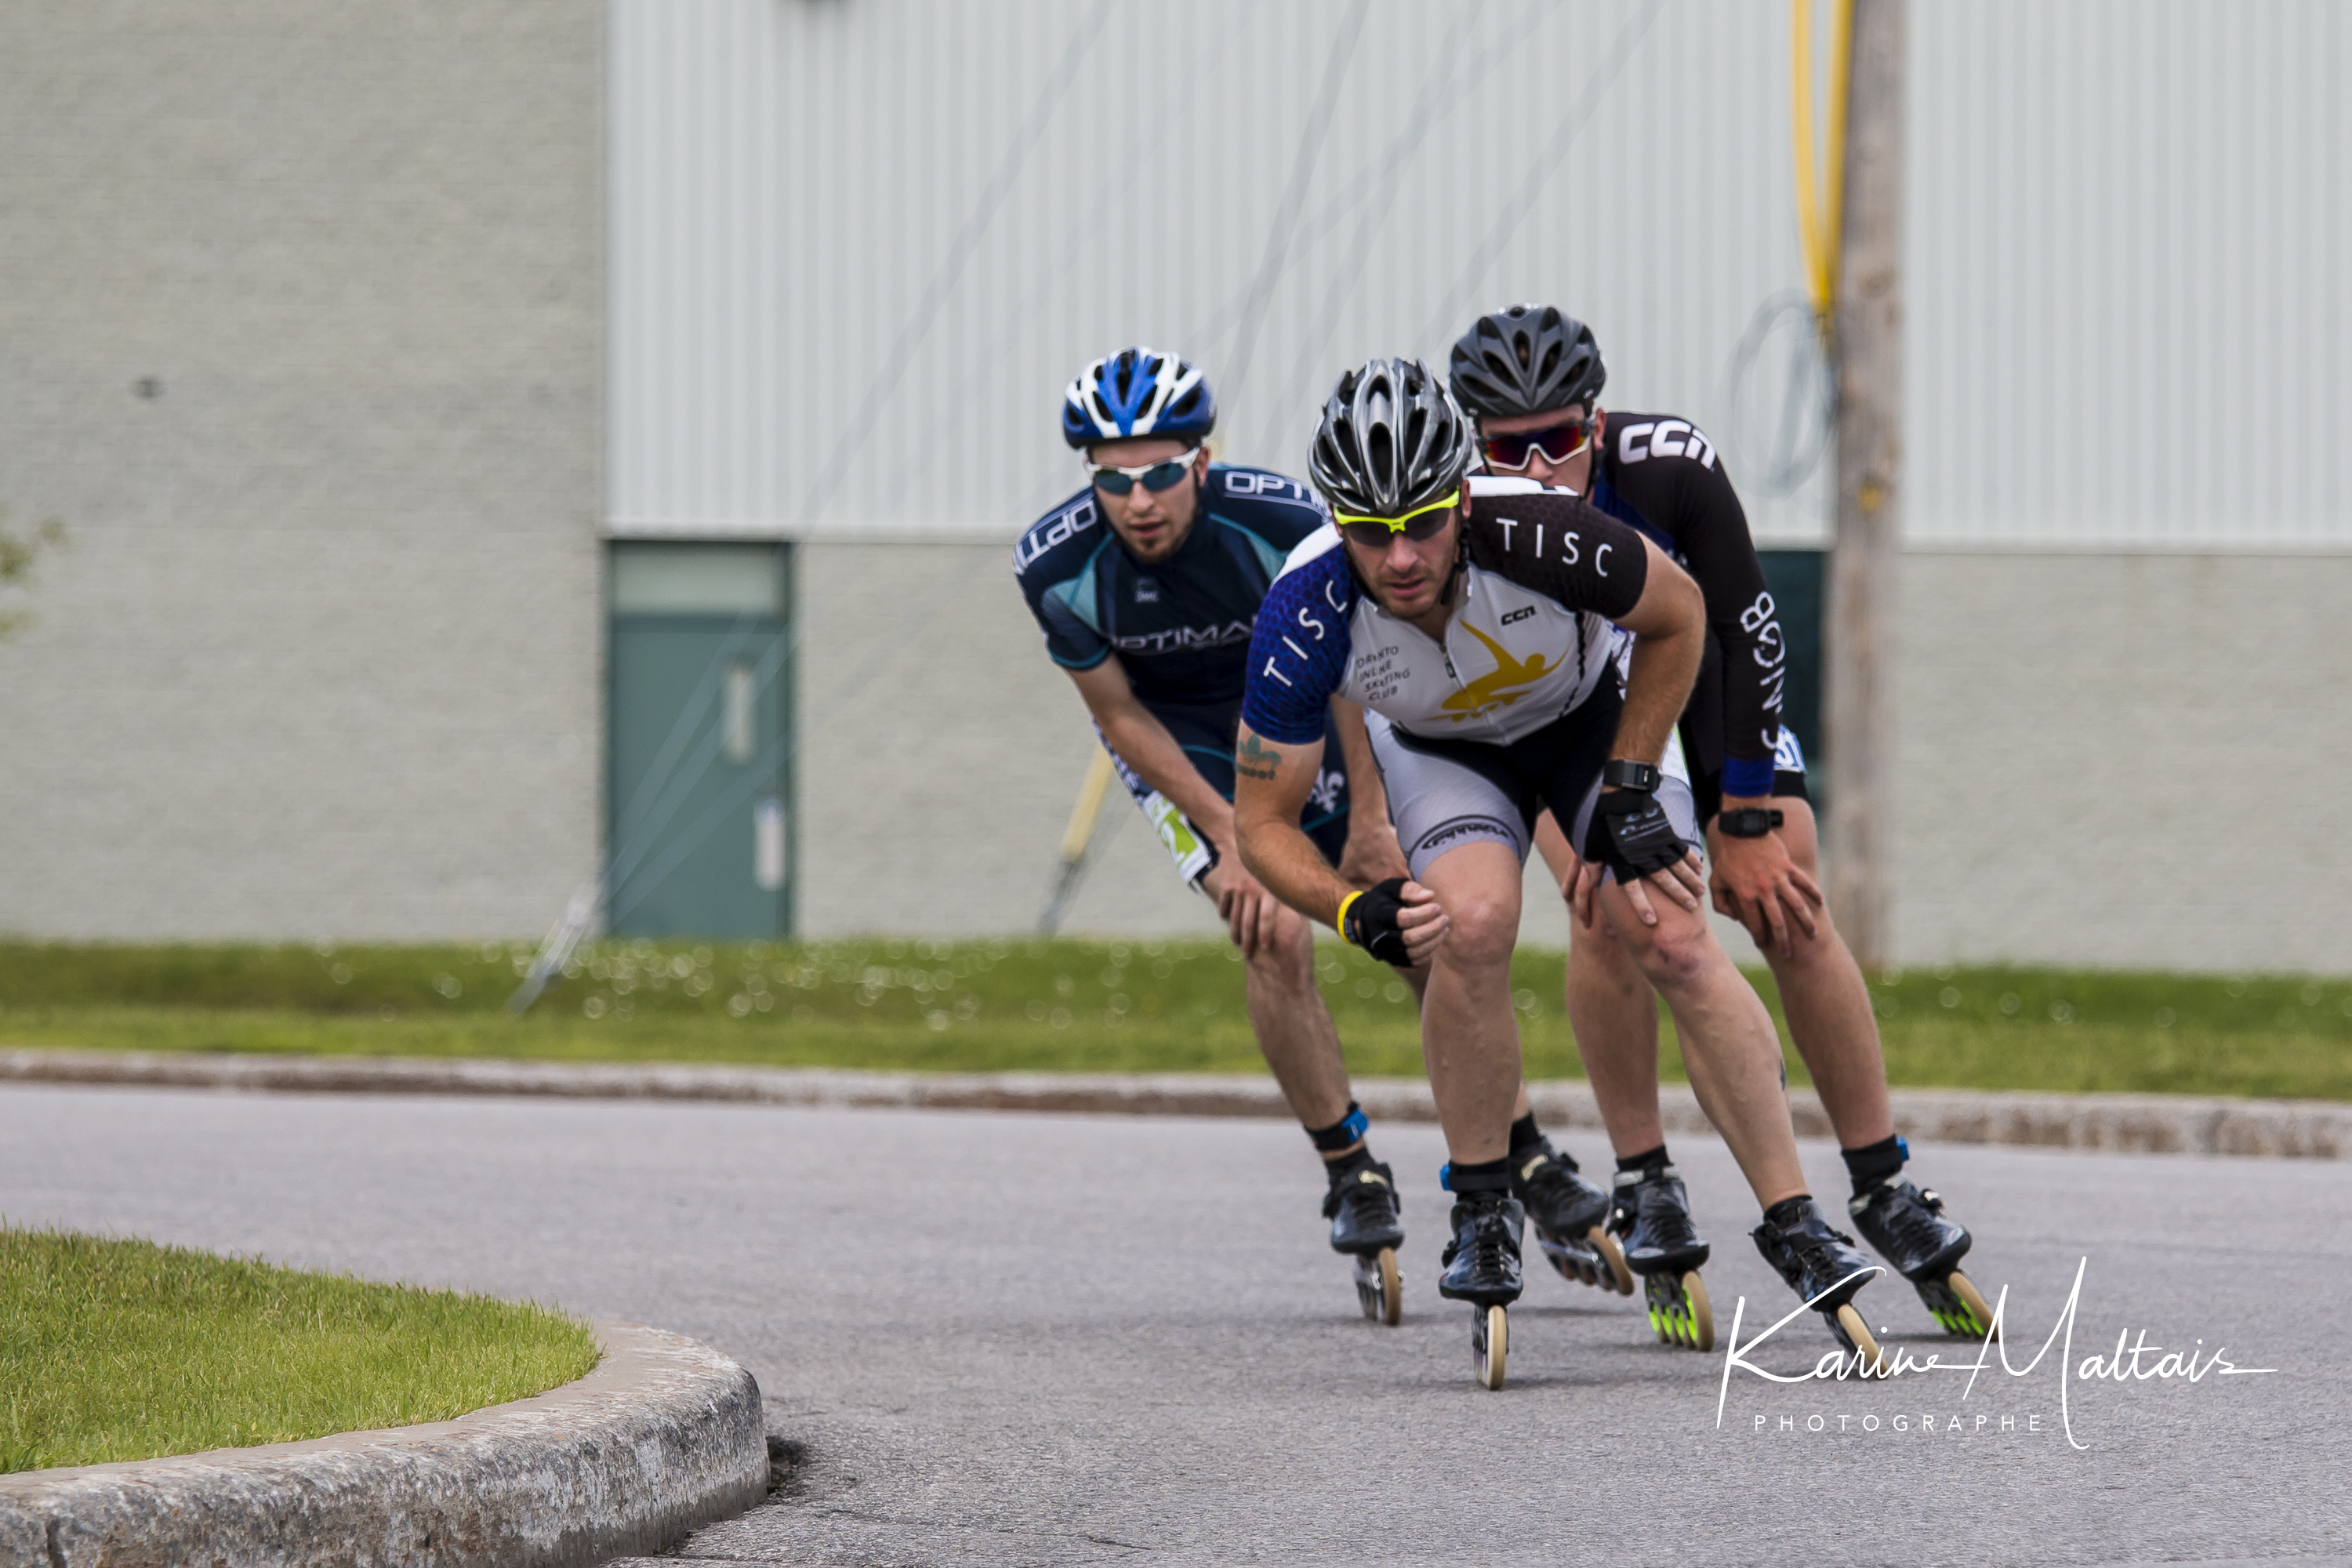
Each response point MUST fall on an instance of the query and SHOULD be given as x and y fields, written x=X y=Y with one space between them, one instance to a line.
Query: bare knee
x=1481 y=930
x=1676 y=954
x=1286 y=954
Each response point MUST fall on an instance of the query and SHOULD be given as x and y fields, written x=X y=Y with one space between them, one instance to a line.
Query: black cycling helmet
x=1391 y=439
x=1527 y=359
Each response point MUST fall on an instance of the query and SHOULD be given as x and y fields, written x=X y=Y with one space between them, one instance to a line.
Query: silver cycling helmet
x=1391 y=439
x=1525 y=359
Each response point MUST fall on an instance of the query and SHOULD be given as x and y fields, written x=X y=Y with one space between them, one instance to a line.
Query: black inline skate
x=1821 y=1266
x=1652 y=1214
x=1908 y=1228
x=1482 y=1268
x=1365 y=1214
x=1570 y=1216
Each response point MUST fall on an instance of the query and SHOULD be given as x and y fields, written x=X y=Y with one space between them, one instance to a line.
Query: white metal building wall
x=858 y=246
x=2129 y=232
x=858 y=249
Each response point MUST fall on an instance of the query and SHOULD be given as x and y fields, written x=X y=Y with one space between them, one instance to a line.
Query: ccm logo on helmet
x=1238 y=484
x=1666 y=438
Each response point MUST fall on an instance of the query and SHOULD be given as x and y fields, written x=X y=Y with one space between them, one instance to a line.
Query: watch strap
x=1619 y=773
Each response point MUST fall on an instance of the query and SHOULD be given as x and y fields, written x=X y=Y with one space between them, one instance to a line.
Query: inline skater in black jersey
x=1531 y=377
x=1144 y=583
x=1474 y=619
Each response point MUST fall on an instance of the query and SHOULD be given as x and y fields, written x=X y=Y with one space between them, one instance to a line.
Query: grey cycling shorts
x=1471 y=795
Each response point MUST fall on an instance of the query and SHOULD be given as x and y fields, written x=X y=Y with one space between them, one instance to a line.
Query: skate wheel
x=1679 y=1312
x=1972 y=1302
x=1855 y=1334
x=1702 y=1315
x=1620 y=1277
x=1955 y=1304
x=1569 y=1260
x=1490 y=1336
x=1380 y=1289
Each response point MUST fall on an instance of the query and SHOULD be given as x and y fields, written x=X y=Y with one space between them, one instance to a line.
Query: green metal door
x=699 y=839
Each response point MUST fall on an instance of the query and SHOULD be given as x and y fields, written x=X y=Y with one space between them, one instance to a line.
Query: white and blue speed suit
x=1516 y=710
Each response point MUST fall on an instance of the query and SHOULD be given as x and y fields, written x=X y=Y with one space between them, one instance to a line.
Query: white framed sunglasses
x=1165 y=474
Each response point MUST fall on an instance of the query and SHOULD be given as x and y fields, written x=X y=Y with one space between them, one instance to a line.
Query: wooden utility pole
x=1861 y=588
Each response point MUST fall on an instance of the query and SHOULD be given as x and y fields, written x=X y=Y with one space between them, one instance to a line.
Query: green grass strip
x=1082 y=1005
x=119 y=1350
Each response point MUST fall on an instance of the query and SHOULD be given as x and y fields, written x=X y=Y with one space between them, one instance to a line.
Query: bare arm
x=1270 y=787
x=1372 y=853
x=1143 y=744
x=1669 y=627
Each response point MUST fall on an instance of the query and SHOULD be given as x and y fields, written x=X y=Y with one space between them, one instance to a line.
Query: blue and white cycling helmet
x=1137 y=391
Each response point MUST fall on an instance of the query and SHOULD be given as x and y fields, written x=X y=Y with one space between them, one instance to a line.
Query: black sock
x=1348 y=1164
x=1647 y=1160
x=1785 y=1213
x=1870 y=1165
x=1348 y=1129
x=1525 y=1135
x=1486 y=1176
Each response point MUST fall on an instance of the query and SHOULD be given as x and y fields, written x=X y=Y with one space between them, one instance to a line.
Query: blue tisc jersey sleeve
x=1300 y=646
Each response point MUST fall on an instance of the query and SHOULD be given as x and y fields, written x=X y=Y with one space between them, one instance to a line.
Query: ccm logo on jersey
x=1666 y=438
x=1521 y=614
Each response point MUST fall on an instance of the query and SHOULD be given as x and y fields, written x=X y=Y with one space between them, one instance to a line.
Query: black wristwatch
x=1619 y=773
x=1749 y=822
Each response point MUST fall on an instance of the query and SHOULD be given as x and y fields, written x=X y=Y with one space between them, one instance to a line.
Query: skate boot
x=1908 y=1228
x=1821 y=1266
x=1482 y=1268
x=1652 y=1216
x=1364 y=1211
x=1571 y=1216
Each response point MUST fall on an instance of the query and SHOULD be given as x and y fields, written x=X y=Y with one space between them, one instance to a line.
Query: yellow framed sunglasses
x=1422 y=522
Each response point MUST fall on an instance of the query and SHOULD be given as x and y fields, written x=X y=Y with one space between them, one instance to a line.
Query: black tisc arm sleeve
x=1562 y=548
x=1710 y=531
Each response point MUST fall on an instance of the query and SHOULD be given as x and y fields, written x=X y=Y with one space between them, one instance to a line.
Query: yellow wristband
x=1339 y=920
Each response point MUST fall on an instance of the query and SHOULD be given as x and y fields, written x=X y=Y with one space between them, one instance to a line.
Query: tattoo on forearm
x=1255 y=759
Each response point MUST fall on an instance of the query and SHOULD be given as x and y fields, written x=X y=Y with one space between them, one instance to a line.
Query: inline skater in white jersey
x=1475 y=617
x=1531 y=378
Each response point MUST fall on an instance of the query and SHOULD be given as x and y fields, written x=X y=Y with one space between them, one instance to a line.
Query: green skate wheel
x=1679 y=1312
x=1957 y=1305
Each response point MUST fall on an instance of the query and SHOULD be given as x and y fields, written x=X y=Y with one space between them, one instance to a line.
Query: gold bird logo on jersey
x=1494 y=688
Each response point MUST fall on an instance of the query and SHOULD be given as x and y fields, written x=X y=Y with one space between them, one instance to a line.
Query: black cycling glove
x=1631 y=834
x=1369 y=919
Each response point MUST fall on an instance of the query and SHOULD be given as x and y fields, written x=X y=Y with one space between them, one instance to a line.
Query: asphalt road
x=1061 y=1339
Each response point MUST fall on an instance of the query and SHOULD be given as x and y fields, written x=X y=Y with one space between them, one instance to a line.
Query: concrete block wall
x=940 y=752
x=325 y=657
x=2133 y=761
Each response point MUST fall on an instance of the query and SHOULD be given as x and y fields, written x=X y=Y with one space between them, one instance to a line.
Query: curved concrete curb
x=2141 y=1123
x=664 y=1435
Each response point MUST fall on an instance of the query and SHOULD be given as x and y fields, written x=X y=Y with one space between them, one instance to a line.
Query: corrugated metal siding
x=2127 y=255
x=858 y=246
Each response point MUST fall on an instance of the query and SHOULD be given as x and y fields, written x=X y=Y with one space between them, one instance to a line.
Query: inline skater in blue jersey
x=1531 y=378
x=1478 y=619
x=1144 y=583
